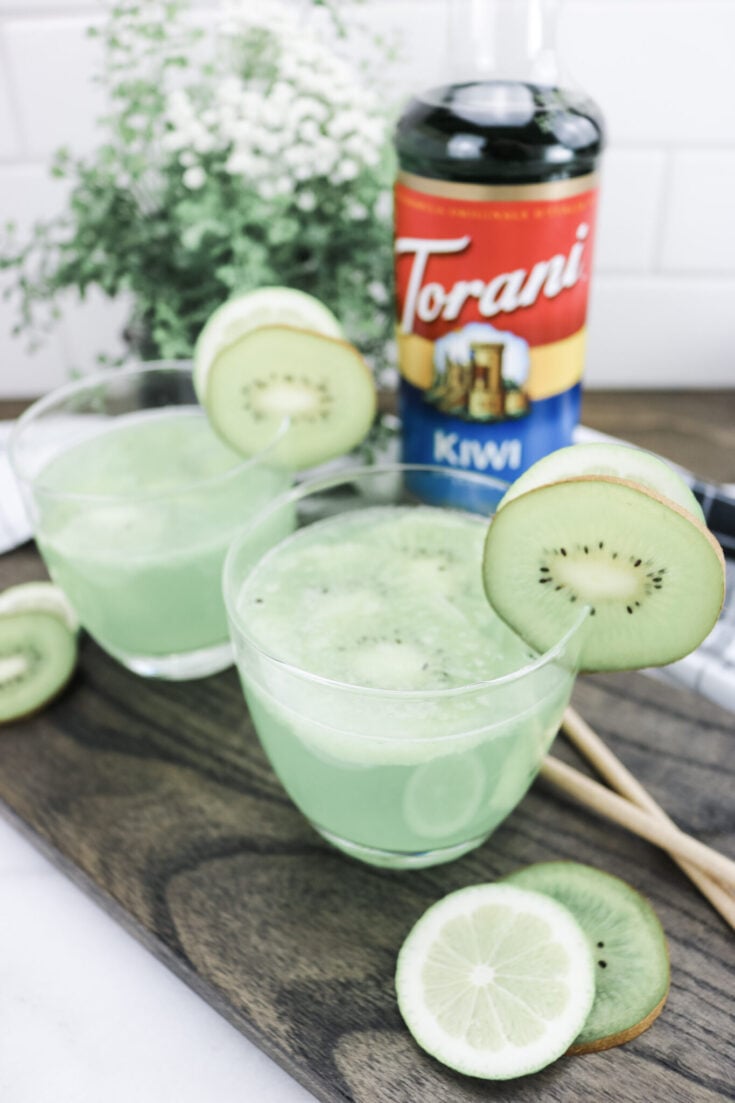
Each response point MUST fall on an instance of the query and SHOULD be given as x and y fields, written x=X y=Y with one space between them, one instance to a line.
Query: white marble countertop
x=87 y=1015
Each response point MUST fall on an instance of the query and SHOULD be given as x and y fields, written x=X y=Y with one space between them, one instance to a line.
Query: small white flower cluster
x=310 y=118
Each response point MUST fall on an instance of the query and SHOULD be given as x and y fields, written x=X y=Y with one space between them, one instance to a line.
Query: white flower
x=358 y=212
x=315 y=109
x=326 y=152
x=344 y=123
x=309 y=131
x=371 y=158
x=178 y=103
x=239 y=163
x=203 y=142
x=229 y=90
x=378 y=292
x=345 y=171
x=282 y=93
x=273 y=115
x=173 y=141
x=282 y=186
x=384 y=206
x=306 y=201
x=265 y=189
x=313 y=118
x=195 y=177
x=268 y=141
x=295 y=156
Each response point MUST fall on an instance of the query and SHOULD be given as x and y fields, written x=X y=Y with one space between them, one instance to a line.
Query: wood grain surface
x=157 y=800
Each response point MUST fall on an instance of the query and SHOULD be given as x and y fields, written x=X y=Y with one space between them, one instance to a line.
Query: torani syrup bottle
x=495 y=216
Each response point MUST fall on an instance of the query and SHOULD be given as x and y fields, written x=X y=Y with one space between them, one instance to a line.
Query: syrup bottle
x=495 y=204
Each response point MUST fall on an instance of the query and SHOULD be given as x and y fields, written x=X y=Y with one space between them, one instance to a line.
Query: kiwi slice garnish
x=651 y=574
x=276 y=372
x=38 y=652
x=628 y=943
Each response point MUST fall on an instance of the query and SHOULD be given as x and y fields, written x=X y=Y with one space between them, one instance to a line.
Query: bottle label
x=491 y=290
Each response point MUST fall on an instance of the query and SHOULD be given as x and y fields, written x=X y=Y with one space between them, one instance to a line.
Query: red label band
x=522 y=264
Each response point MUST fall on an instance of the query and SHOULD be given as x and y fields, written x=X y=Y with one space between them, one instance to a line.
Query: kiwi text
x=475 y=454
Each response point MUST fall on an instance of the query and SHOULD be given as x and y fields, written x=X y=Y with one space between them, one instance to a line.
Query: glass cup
x=134 y=501
x=398 y=778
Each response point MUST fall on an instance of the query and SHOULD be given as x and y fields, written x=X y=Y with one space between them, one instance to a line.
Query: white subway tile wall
x=663 y=302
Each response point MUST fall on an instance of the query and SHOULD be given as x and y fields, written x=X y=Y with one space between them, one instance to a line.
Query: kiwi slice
x=652 y=576
x=38 y=654
x=628 y=944
x=275 y=372
x=617 y=461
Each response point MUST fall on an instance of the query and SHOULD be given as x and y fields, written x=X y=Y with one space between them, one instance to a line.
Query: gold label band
x=555 y=189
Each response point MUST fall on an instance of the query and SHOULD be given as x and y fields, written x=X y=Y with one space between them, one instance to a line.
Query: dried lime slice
x=495 y=981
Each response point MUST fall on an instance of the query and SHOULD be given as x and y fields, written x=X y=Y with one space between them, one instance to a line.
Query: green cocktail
x=404 y=718
x=135 y=500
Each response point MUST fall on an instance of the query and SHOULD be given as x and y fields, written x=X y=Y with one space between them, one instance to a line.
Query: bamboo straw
x=599 y=755
x=628 y=815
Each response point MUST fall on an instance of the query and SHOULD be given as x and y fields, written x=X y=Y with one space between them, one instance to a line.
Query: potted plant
x=254 y=156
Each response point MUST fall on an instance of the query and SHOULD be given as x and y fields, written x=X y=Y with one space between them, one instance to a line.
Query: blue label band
x=503 y=449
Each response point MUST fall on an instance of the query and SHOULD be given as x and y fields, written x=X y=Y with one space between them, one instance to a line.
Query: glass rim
x=312 y=486
x=43 y=405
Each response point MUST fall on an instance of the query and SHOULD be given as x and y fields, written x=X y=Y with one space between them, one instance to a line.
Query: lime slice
x=618 y=461
x=268 y=306
x=443 y=796
x=39 y=597
x=495 y=981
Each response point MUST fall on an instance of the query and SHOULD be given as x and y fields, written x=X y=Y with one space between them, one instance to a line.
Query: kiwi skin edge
x=622 y=1036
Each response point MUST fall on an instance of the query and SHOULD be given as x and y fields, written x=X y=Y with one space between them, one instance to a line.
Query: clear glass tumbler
x=134 y=501
x=401 y=778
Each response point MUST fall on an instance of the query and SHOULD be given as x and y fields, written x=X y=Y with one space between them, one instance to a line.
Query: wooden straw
x=599 y=755
x=628 y=815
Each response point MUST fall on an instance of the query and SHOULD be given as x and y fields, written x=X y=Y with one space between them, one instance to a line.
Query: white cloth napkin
x=15 y=528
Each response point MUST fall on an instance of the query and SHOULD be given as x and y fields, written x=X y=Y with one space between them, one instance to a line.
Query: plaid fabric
x=710 y=670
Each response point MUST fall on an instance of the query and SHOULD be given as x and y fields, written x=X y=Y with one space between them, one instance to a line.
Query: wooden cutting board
x=157 y=800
